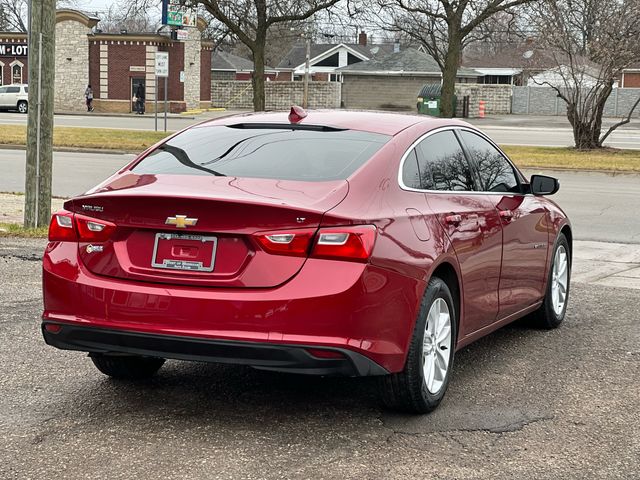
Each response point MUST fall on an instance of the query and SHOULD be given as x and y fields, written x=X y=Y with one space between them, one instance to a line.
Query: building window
x=331 y=61
x=297 y=78
x=335 y=77
x=16 y=73
x=1 y=73
x=351 y=59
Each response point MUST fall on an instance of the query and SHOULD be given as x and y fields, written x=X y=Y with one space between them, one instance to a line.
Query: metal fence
x=545 y=101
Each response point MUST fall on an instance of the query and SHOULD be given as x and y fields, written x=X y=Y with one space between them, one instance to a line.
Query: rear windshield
x=282 y=153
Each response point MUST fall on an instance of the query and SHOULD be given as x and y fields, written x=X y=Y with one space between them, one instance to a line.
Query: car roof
x=387 y=123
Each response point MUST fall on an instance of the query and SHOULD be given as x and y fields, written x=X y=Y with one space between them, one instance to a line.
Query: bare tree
x=591 y=42
x=132 y=16
x=13 y=14
x=443 y=27
x=252 y=20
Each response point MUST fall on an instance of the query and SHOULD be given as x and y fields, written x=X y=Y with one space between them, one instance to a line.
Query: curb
x=76 y=150
x=198 y=111
x=128 y=115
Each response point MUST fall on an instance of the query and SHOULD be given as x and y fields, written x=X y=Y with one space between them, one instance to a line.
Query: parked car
x=14 y=97
x=327 y=243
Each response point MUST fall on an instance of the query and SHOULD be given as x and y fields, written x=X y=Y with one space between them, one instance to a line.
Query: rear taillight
x=72 y=227
x=345 y=243
x=353 y=243
x=93 y=230
x=62 y=227
x=292 y=242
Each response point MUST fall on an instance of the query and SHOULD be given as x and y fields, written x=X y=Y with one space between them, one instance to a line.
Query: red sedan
x=327 y=243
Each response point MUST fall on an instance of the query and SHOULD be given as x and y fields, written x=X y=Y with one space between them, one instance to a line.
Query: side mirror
x=543 y=185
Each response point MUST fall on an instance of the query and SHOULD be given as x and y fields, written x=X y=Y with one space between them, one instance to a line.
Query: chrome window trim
x=453 y=128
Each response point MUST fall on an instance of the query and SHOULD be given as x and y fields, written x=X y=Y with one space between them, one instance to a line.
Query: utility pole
x=37 y=202
x=305 y=95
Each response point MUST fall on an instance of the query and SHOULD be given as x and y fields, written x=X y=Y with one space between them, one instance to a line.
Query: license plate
x=177 y=251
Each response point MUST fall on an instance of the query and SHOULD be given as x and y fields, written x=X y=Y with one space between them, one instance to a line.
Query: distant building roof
x=526 y=56
x=230 y=62
x=298 y=53
x=407 y=61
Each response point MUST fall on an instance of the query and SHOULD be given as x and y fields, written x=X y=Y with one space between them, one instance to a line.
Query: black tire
x=23 y=107
x=546 y=316
x=407 y=391
x=127 y=367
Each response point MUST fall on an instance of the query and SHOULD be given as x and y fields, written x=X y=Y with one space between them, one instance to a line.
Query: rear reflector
x=52 y=327
x=319 y=353
x=353 y=243
x=72 y=227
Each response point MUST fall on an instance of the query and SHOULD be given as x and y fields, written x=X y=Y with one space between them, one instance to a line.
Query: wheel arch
x=566 y=231
x=449 y=275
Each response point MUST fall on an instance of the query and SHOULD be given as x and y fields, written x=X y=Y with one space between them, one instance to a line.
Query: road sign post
x=162 y=70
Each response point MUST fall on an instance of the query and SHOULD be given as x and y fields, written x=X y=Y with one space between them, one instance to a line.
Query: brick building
x=114 y=65
x=13 y=58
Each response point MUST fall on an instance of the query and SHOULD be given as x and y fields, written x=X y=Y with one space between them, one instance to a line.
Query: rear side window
x=26 y=89
x=278 y=153
x=442 y=163
x=13 y=89
x=410 y=172
x=496 y=173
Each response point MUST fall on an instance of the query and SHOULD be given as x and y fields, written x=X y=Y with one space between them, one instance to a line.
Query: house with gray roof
x=324 y=60
x=392 y=81
x=227 y=66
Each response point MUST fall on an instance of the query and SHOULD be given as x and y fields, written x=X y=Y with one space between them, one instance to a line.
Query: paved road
x=600 y=205
x=523 y=403
x=133 y=122
x=506 y=129
x=554 y=137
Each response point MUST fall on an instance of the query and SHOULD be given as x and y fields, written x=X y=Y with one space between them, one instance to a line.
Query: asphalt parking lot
x=523 y=403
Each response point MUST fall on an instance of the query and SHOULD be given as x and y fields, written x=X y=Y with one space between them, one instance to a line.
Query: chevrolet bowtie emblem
x=181 y=221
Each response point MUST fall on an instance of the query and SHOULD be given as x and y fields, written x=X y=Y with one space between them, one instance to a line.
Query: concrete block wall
x=497 y=98
x=545 y=101
x=71 y=69
x=383 y=92
x=238 y=94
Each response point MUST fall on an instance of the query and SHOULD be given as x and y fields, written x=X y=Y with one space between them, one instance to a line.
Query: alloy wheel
x=559 y=280
x=436 y=346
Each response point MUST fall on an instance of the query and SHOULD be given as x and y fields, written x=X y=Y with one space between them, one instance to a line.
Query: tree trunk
x=257 y=79
x=449 y=74
x=587 y=125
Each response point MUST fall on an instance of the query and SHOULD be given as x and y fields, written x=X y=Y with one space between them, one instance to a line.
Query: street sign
x=162 y=64
x=175 y=13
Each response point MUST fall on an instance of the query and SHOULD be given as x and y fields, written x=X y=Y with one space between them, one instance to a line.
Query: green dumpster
x=429 y=99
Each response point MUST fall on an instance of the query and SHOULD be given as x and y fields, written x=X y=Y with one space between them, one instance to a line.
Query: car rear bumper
x=350 y=307
x=289 y=358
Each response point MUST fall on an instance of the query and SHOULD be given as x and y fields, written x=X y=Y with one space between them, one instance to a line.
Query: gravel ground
x=12 y=207
x=522 y=404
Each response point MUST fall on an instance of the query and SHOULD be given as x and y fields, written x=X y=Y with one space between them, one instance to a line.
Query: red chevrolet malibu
x=327 y=243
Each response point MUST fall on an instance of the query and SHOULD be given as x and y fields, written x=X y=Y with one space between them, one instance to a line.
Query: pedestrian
x=139 y=94
x=88 y=95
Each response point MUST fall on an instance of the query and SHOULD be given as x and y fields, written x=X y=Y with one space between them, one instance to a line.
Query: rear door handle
x=506 y=215
x=454 y=219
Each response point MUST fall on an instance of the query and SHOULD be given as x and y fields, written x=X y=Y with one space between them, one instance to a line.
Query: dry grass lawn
x=98 y=138
x=569 y=158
